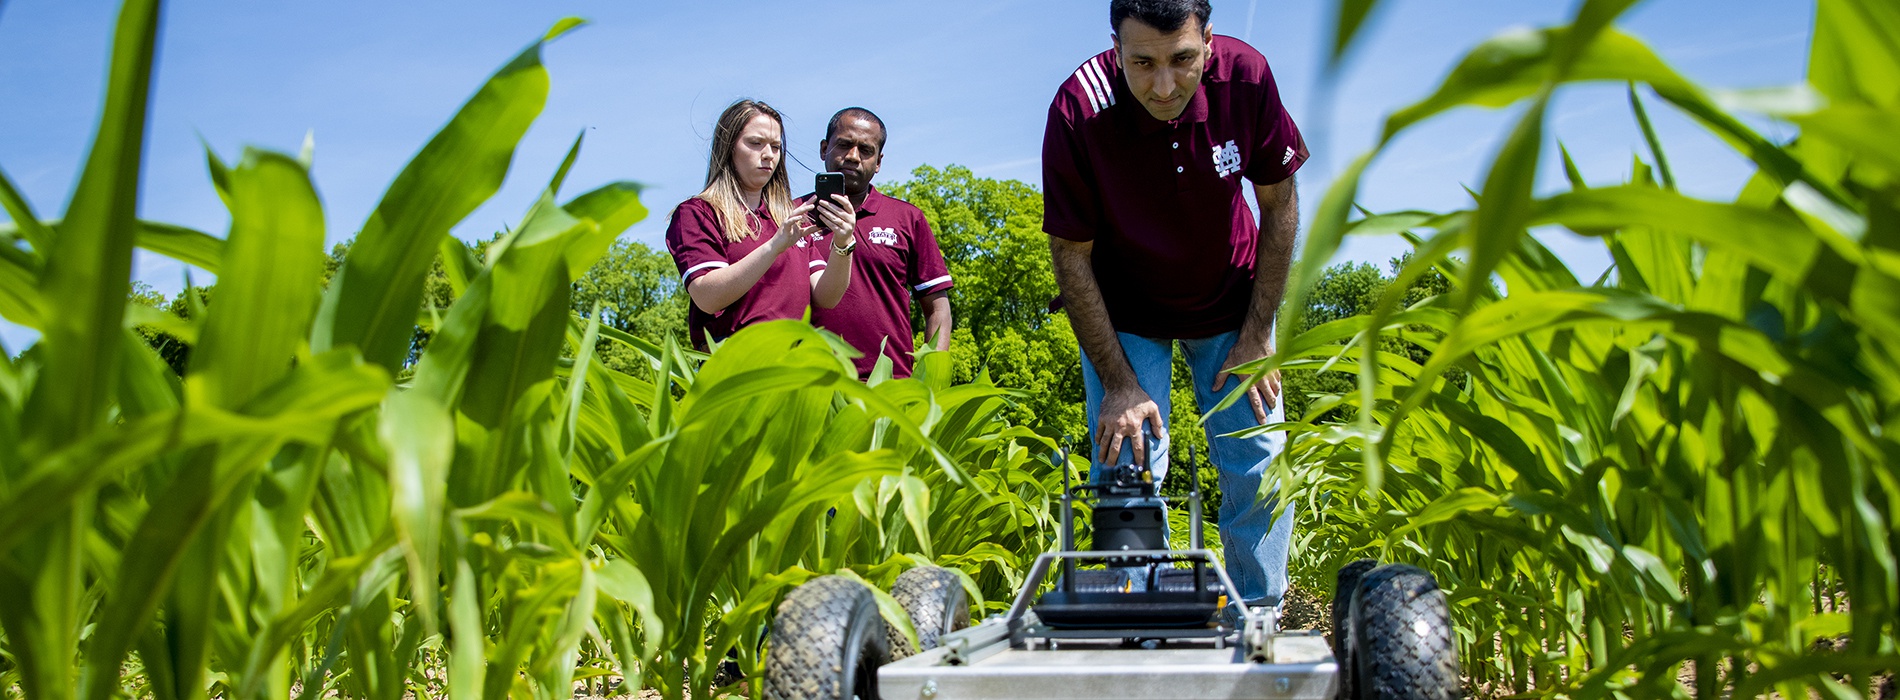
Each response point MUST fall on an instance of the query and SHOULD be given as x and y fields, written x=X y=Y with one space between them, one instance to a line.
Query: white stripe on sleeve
x=702 y=266
x=1103 y=94
x=1108 y=88
x=1082 y=78
x=933 y=283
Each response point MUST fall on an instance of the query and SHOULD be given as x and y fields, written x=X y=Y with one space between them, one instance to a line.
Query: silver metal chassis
x=1014 y=656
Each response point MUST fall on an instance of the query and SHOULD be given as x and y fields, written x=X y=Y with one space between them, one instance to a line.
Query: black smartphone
x=828 y=184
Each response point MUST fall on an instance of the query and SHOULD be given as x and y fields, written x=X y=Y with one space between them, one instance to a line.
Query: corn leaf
x=371 y=302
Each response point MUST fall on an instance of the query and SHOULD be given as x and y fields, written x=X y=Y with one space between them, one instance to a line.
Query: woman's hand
x=838 y=216
x=795 y=226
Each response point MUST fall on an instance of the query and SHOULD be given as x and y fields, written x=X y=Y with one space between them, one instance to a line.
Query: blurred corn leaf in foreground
x=1686 y=464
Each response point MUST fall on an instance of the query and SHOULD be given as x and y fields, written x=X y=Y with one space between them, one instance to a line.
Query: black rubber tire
x=937 y=604
x=1348 y=582
x=827 y=642
x=1403 y=647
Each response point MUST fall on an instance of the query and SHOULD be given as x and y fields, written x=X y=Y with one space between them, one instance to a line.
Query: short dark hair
x=831 y=129
x=1165 y=15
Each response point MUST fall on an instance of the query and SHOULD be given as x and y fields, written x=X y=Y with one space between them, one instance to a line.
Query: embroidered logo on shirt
x=1288 y=158
x=882 y=236
x=1226 y=159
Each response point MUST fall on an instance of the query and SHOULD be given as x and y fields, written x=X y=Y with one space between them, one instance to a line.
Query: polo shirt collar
x=873 y=201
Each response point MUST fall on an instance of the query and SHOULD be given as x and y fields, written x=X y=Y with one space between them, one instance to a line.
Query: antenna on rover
x=1068 y=520
x=1195 y=538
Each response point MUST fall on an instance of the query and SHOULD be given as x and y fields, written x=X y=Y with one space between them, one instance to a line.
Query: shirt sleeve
x=1071 y=206
x=692 y=237
x=1278 y=149
x=816 y=247
x=817 y=251
x=928 y=274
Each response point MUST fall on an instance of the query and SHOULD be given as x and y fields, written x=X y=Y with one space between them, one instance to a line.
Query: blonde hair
x=723 y=190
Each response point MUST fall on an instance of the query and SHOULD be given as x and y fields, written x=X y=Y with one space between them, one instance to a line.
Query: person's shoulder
x=693 y=206
x=1090 y=90
x=692 y=215
x=898 y=206
x=1236 y=61
x=894 y=209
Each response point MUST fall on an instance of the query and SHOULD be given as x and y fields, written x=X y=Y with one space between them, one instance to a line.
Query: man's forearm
x=937 y=321
x=1273 y=257
x=1088 y=314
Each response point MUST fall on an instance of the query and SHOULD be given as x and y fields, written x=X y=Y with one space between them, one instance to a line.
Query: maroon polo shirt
x=699 y=247
x=896 y=259
x=1163 y=201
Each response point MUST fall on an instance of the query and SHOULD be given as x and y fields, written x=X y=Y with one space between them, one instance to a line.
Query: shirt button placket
x=1180 y=159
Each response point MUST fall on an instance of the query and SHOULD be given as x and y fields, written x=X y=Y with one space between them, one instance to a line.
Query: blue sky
x=965 y=82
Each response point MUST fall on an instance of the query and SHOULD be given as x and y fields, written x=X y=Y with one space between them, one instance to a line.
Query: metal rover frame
x=1240 y=653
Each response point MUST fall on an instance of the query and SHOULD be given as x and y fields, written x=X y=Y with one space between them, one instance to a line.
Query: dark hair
x=831 y=129
x=1165 y=15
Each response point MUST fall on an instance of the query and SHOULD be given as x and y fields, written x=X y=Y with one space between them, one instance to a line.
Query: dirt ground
x=1306 y=610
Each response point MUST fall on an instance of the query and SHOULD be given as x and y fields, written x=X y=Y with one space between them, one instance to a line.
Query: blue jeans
x=1256 y=545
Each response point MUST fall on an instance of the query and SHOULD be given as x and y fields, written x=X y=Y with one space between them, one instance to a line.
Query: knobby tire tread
x=937 y=604
x=1403 y=643
x=1348 y=583
x=809 y=656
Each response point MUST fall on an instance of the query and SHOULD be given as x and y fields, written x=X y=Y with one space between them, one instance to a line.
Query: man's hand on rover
x=1121 y=416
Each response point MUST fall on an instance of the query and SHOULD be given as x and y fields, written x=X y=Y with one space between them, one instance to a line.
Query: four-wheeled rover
x=1128 y=617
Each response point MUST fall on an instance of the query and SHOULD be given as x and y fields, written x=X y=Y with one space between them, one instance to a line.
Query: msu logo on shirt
x=882 y=236
x=1226 y=159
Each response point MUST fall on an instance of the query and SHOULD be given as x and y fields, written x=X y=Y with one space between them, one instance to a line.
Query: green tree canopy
x=991 y=234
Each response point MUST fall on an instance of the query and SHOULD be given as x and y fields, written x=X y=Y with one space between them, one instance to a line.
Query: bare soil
x=1306 y=610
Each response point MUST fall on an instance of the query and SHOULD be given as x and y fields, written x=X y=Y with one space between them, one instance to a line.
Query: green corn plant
x=707 y=474
x=97 y=407
x=1685 y=462
x=87 y=265
x=308 y=511
x=991 y=526
x=878 y=527
x=211 y=480
x=995 y=530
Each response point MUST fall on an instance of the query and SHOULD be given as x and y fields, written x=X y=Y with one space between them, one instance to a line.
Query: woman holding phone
x=744 y=252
